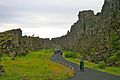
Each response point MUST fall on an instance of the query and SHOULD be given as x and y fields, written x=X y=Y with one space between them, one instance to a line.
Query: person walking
x=82 y=65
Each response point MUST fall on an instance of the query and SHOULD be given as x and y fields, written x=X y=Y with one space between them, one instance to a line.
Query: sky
x=43 y=18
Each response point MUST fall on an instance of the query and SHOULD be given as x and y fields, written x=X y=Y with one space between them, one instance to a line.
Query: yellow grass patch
x=57 y=69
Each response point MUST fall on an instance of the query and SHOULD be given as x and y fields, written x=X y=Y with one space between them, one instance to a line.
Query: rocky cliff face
x=10 y=42
x=96 y=36
x=13 y=43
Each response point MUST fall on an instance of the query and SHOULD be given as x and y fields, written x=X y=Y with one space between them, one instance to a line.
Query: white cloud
x=45 y=32
x=7 y=26
x=43 y=17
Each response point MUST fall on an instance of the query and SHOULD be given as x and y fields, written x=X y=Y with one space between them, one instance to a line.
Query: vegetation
x=71 y=55
x=34 y=66
x=114 y=57
x=101 y=65
x=5 y=43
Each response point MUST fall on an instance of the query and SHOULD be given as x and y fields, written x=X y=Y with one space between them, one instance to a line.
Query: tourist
x=82 y=65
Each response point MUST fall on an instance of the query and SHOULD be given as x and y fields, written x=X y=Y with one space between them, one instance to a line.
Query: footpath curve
x=88 y=74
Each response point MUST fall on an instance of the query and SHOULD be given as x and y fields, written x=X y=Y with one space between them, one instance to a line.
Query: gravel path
x=88 y=74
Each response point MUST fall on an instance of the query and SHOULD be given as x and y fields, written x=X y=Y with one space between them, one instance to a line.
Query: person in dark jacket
x=82 y=65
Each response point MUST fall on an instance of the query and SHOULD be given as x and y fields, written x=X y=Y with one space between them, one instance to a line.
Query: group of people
x=58 y=52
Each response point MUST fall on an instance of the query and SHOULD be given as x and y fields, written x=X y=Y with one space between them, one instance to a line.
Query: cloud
x=53 y=14
x=45 y=32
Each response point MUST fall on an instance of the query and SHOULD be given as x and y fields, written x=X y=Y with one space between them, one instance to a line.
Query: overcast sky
x=44 y=18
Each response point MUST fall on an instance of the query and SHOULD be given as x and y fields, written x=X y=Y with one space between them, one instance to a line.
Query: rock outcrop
x=10 y=42
x=96 y=36
x=13 y=43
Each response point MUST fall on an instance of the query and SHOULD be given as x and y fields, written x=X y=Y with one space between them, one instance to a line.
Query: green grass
x=34 y=66
x=110 y=70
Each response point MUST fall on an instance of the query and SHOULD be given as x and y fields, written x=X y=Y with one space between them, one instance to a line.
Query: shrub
x=71 y=55
x=101 y=65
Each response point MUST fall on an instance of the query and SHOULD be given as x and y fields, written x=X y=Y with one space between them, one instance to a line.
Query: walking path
x=88 y=74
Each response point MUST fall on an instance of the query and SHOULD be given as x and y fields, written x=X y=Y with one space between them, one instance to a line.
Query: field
x=34 y=66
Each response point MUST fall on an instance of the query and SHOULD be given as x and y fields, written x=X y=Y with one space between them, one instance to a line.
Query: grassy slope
x=34 y=67
x=111 y=70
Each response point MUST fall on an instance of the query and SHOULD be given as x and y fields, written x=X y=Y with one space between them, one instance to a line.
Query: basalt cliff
x=14 y=44
x=96 y=37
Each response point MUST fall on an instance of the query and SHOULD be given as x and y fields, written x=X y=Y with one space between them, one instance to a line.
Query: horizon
x=42 y=18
